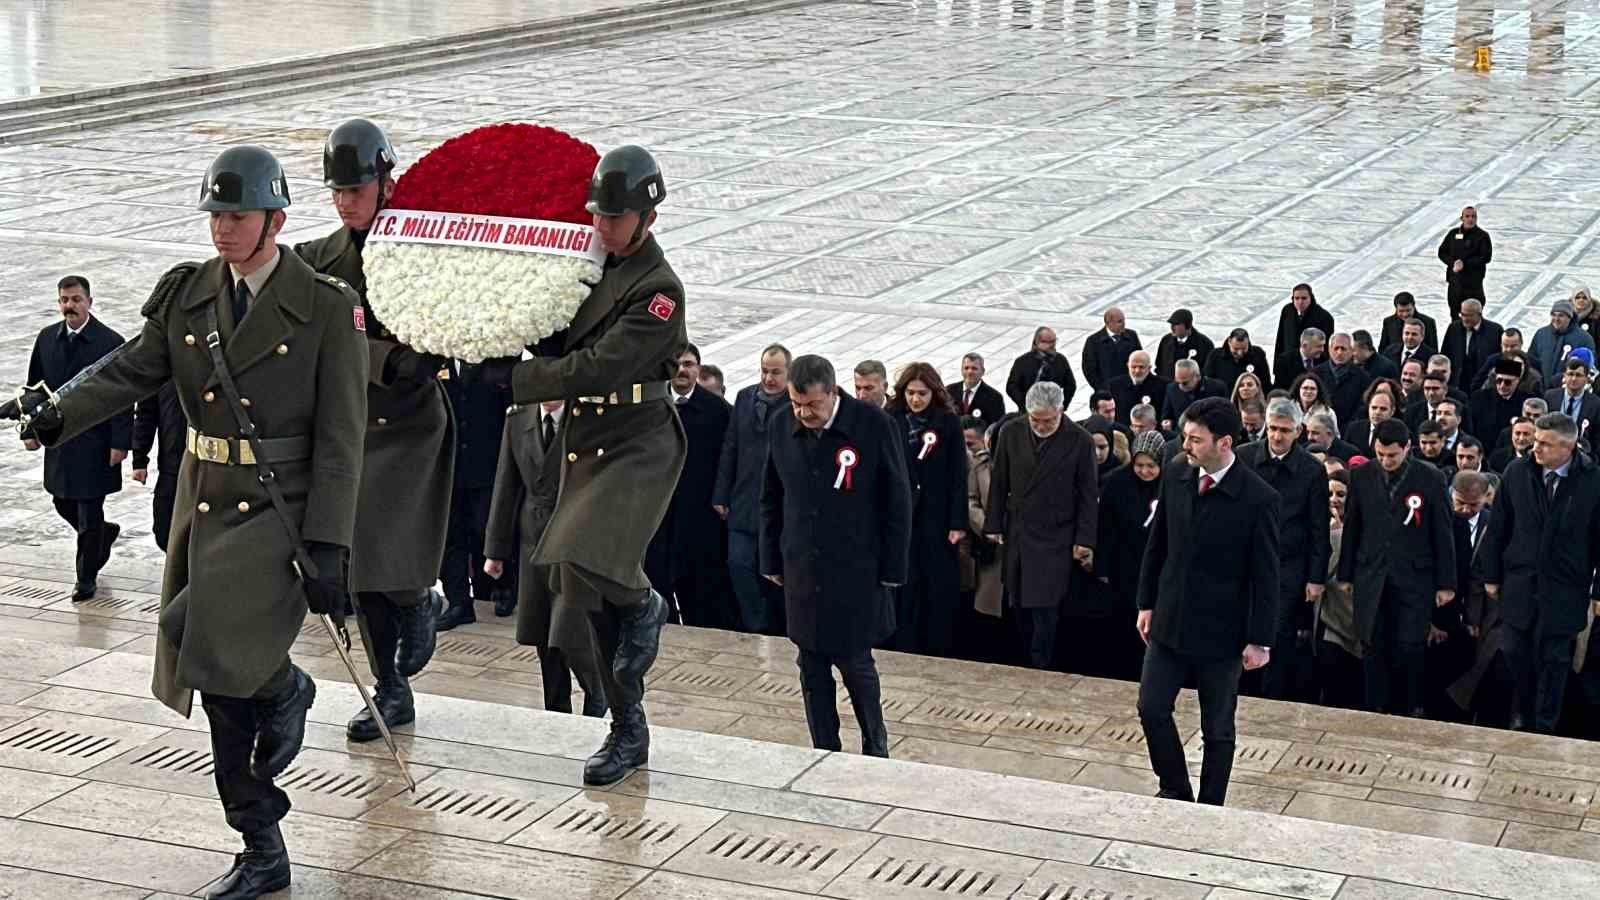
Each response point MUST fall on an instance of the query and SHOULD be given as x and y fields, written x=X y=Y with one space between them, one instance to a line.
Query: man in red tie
x=973 y=397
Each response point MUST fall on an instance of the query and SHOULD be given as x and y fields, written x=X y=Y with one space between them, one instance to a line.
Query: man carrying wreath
x=623 y=448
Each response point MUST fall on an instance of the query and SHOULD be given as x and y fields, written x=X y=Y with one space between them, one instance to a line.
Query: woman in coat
x=1339 y=650
x=928 y=605
x=1311 y=393
x=1127 y=507
x=984 y=633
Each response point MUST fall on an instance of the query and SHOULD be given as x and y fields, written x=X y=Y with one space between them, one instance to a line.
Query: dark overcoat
x=1105 y=357
x=621 y=462
x=1301 y=484
x=692 y=536
x=80 y=469
x=1028 y=370
x=1543 y=553
x=1043 y=506
x=479 y=411
x=1226 y=368
x=743 y=466
x=837 y=531
x=408 y=453
x=987 y=406
x=231 y=602
x=1382 y=548
x=1210 y=567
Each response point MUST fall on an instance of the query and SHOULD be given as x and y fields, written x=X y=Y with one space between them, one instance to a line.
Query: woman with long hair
x=928 y=606
x=1309 y=391
x=1247 y=387
x=1127 y=509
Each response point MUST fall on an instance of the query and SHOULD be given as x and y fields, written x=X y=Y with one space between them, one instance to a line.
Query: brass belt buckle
x=210 y=449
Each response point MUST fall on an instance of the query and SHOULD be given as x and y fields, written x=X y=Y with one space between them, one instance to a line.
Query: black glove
x=327 y=594
x=44 y=423
x=406 y=364
x=497 y=370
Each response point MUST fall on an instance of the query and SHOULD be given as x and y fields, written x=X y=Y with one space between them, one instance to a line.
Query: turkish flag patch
x=661 y=306
x=359 y=317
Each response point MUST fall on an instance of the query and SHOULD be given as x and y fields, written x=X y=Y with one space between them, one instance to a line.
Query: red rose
x=515 y=170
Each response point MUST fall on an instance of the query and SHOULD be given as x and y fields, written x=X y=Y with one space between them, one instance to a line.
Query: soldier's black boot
x=459 y=613
x=262 y=868
x=419 y=632
x=281 y=725
x=638 y=641
x=394 y=702
x=505 y=601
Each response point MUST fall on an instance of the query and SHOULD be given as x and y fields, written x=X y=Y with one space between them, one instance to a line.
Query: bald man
x=1105 y=353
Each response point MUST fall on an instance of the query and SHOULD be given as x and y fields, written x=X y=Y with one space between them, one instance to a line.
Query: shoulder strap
x=264 y=473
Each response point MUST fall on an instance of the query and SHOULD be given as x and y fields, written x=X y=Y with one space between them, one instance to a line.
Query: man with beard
x=409 y=451
x=1466 y=252
x=1041 y=363
x=872 y=383
x=1138 y=386
x=1105 y=353
x=1346 y=380
x=737 y=495
x=1510 y=345
x=1187 y=387
x=1182 y=342
x=1300 y=313
x=1236 y=357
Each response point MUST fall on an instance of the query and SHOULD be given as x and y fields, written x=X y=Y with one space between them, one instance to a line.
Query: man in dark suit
x=1412 y=345
x=1541 y=562
x=1041 y=363
x=1518 y=445
x=1368 y=357
x=1575 y=400
x=82 y=472
x=1182 y=342
x=973 y=396
x=1237 y=356
x=1302 y=487
x=737 y=497
x=159 y=424
x=1313 y=352
x=1346 y=380
x=1493 y=408
x=1187 y=387
x=479 y=410
x=1300 y=313
x=835 y=534
x=1105 y=353
x=1405 y=308
x=1043 y=494
x=1469 y=342
x=1466 y=252
x=1208 y=597
x=687 y=560
x=1398 y=553
x=1484 y=689
x=1139 y=385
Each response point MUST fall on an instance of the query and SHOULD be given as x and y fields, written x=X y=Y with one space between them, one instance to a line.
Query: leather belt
x=232 y=451
x=636 y=393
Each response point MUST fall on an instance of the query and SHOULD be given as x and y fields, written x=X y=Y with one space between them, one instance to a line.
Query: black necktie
x=241 y=301
x=548 y=435
x=1551 y=482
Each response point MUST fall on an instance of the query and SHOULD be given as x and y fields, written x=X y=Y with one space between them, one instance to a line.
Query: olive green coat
x=620 y=463
x=231 y=602
x=406 y=470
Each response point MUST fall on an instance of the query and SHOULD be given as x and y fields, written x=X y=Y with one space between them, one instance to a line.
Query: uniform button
x=382 y=421
x=244 y=506
x=600 y=452
x=209 y=396
x=576 y=410
x=244 y=402
x=600 y=410
x=283 y=349
x=189 y=339
x=204 y=507
x=572 y=457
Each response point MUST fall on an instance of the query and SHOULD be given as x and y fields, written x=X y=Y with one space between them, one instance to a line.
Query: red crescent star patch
x=661 y=306
x=359 y=317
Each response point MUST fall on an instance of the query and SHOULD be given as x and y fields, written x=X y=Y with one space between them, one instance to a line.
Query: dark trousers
x=557 y=668
x=926 y=606
x=88 y=519
x=1291 y=675
x=1539 y=667
x=760 y=601
x=1036 y=633
x=462 y=569
x=1165 y=671
x=249 y=803
x=379 y=619
x=860 y=675
x=1463 y=287
x=166 y=496
x=1340 y=676
x=1396 y=656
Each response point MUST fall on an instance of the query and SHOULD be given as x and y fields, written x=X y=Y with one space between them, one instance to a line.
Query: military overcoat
x=231 y=602
x=404 y=504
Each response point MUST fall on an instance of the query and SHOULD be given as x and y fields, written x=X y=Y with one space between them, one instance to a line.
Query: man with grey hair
x=1322 y=428
x=972 y=396
x=1303 y=547
x=1482 y=618
x=1138 y=385
x=1313 y=351
x=1043 y=509
x=1142 y=418
x=872 y=383
x=1105 y=353
x=1469 y=342
x=1541 y=560
x=1187 y=386
x=1346 y=380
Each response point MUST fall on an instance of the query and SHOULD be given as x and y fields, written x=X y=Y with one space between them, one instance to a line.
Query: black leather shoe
x=281 y=726
x=82 y=591
x=626 y=747
x=107 y=538
x=418 y=633
x=459 y=613
x=394 y=703
x=505 y=602
x=262 y=868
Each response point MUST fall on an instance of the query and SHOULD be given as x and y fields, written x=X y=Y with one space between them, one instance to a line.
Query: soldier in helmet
x=269 y=363
x=406 y=466
x=623 y=448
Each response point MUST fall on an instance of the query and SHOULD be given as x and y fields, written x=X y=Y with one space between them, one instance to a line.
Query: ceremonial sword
x=341 y=644
x=25 y=416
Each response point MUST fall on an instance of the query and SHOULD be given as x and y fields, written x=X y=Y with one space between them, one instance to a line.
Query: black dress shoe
x=108 y=536
x=262 y=868
x=281 y=726
x=419 y=633
x=394 y=703
x=82 y=592
x=459 y=613
x=505 y=602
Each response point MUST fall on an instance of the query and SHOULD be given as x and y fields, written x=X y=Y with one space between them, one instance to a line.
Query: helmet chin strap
x=266 y=225
x=638 y=231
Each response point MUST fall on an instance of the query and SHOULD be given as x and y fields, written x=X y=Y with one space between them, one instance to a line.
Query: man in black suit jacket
x=82 y=472
x=1345 y=379
x=836 y=534
x=1105 y=353
x=1300 y=313
x=159 y=424
x=1575 y=400
x=1139 y=385
x=1182 y=342
x=1208 y=597
x=1042 y=363
x=1542 y=557
x=1236 y=357
x=973 y=396
x=1469 y=342
x=1375 y=363
x=1495 y=408
x=1411 y=345
x=1312 y=352
x=1186 y=388
x=1303 y=543
x=1399 y=554
x=1405 y=307
x=687 y=560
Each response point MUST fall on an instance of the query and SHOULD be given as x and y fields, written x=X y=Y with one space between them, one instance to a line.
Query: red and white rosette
x=486 y=247
x=930 y=440
x=1413 y=510
x=848 y=459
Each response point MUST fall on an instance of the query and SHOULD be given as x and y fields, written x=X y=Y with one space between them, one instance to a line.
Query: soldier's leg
x=380 y=635
x=416 y=615
x=252 y=806
x=626 y=625
x=557 y=680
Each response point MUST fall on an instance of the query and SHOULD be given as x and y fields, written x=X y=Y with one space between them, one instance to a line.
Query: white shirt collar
x=257 y=279
x=80 y=328
x=833 y=415
x=1217 y=476
x=683 y=398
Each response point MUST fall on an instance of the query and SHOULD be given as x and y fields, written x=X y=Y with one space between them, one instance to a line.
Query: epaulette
x=170 y=285
x=335 y=282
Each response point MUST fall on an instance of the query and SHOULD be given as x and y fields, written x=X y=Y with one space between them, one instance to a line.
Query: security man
x=624 y=448
x=406 y=466
x=269 y=362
